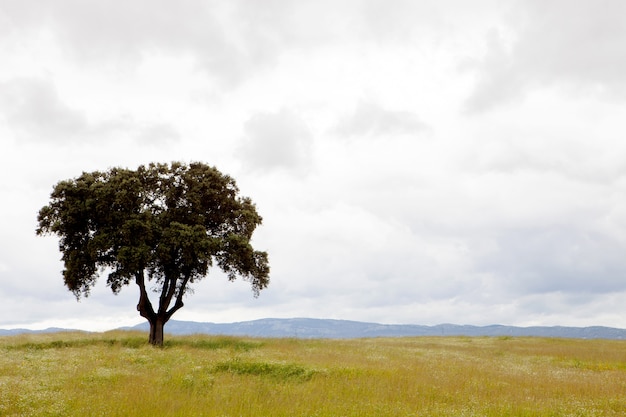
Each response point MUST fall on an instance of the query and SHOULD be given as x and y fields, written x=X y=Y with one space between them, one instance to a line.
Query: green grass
x=277 y=371
x=119 y=374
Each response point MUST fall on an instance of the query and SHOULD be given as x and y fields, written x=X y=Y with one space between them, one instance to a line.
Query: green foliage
x=170 y=220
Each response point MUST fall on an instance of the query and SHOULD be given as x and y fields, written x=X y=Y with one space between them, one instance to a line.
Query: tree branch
x=144 y=306
x=167 y=293
x=179 y=299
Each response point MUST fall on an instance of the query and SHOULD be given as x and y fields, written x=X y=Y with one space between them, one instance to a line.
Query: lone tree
x=161 y=223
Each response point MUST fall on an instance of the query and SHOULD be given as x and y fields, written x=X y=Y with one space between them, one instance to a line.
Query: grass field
x=119 y=374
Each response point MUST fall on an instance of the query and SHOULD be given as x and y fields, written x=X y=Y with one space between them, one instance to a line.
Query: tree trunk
x=158 y=319
x=156 y=332
x=145 y=310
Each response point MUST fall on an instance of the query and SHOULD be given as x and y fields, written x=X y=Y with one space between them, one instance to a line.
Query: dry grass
x=118 y=374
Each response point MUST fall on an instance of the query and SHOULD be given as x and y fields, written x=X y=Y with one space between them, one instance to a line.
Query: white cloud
x=276 y=141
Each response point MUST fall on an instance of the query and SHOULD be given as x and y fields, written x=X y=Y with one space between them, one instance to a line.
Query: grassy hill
x=118 y=374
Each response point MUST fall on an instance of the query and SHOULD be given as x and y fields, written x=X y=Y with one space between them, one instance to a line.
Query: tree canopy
x=164 y=223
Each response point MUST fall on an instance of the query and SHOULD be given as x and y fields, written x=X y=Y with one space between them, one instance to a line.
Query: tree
x=162 y=223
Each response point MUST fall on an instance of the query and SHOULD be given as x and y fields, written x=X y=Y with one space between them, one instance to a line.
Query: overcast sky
x=414 y=161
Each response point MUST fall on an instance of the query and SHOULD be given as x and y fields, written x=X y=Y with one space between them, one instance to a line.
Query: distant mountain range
x=335 y=329
x=12 y=332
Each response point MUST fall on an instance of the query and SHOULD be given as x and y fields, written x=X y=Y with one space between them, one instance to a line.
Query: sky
x=417 y=162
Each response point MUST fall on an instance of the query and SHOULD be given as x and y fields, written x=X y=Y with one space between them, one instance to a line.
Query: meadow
x=119 y=374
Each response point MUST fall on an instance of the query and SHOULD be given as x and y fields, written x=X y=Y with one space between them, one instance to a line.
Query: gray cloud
x=158 y=134
x=116 y=32
x=229 y=40
x=273 y=141
x=371 y=119
x=500 y=80
x=34 y=108
x=561 y=259
x=579 y=44
x=224 y=42
x=104 y=30
x=36 y=112
x=524 y=150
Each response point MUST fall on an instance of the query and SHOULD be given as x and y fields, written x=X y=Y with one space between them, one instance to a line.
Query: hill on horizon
x=347 y=329
x=339 y=329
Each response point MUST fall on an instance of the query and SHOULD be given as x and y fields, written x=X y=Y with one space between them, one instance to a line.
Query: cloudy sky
x=414 y=161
